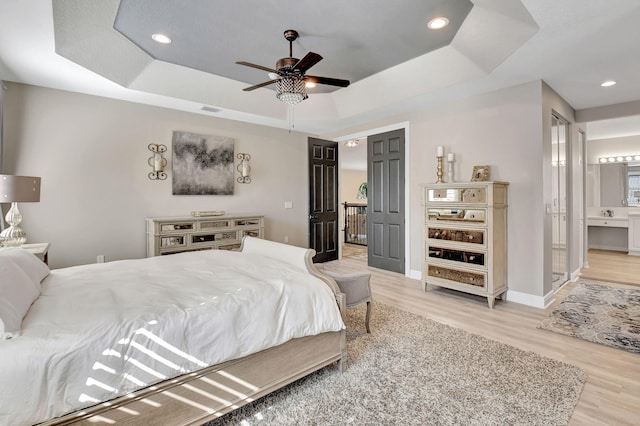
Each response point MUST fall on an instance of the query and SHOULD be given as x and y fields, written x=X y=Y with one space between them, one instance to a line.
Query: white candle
x=158 y=163
x=450 y=157
x=245 y=168
x=441 y=151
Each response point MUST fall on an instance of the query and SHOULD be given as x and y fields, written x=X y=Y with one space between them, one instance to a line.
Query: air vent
x=210 y=109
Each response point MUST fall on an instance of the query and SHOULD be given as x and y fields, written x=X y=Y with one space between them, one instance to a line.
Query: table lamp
x=15 y=189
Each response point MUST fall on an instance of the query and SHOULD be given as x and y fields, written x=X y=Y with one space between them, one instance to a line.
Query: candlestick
x=450 y=168
x=439 y=173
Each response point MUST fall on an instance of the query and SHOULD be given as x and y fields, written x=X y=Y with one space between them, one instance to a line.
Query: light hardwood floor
x=611 y=395
x=616 y=266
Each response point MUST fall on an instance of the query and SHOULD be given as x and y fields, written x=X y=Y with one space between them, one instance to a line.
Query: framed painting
x=480 y=173
x=202 y=164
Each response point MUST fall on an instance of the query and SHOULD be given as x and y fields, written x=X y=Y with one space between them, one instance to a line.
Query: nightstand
x=41 y=250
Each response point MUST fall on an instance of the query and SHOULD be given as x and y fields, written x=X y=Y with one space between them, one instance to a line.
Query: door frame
x=407 y=192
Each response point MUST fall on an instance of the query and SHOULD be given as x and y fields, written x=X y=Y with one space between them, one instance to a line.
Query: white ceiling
x=573 y=45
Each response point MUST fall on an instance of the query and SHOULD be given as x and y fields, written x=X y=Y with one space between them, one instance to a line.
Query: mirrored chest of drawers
x=465 y=237
x=168 y=235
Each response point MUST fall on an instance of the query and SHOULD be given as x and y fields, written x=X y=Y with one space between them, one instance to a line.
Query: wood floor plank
x=611 y=395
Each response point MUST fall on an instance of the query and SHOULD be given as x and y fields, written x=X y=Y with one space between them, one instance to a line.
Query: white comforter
x=103 y=330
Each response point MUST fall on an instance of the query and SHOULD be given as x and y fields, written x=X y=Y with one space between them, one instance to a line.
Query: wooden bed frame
x=204 y=395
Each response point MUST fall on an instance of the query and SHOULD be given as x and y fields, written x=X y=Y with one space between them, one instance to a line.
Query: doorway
x=346 y=163
x=385 y=212
x=323 y=199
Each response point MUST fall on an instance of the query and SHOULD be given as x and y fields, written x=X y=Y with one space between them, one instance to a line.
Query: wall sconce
x=157 y=161
x=244 y=168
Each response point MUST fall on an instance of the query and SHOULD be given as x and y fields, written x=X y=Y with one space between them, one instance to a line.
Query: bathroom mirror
x=613 y=185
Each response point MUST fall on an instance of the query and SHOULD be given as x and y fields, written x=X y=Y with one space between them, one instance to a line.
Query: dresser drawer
x=456 y=255
x=173 y=241
x=458 y=216
x=474 y=195
x=252 y=222
x=457 y=235
x=252 y=233
x=476 y=279
x=214 y=224
x=221 y=236
x=457 y=195
x=177 y=226
x=232 y=246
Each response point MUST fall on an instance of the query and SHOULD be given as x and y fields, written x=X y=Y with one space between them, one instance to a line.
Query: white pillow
x=17 y=293
x=35 y=268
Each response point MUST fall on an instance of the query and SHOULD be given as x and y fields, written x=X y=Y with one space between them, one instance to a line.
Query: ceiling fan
x=289 y=74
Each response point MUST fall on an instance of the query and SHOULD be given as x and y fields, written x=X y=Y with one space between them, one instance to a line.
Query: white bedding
x=175 y=314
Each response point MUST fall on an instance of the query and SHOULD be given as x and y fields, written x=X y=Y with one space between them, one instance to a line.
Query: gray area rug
x=600 y=314
x=414 y=371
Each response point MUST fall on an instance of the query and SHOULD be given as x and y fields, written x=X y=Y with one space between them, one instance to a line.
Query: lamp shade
x=19 y=189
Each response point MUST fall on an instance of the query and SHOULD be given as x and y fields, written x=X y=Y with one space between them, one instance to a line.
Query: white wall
x=612 y=147
x=350 y=181
x=502 y=129
x=92 y=155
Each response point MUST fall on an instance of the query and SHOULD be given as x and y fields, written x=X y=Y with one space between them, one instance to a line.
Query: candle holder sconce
x=244 y=168
x=157 y=161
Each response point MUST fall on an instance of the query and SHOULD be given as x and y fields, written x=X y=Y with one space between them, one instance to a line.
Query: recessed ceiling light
x=437 y=23
x=161 y=38
x=608 y=83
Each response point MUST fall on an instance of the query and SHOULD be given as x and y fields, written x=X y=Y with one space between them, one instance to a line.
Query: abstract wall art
x=202 y=164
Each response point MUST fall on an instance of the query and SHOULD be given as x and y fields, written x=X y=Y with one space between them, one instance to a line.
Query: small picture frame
x=480 y=174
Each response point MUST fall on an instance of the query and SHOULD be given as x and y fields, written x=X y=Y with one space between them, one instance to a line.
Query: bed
x=194 y=336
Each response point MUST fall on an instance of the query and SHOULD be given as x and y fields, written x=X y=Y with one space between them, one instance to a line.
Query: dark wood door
x=323 y=199
x=385 y=157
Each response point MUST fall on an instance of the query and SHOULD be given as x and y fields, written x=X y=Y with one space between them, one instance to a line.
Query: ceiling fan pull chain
x=290 y=114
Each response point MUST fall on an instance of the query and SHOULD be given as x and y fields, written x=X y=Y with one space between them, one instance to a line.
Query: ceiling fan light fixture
x=351 y=143
x=291 y=90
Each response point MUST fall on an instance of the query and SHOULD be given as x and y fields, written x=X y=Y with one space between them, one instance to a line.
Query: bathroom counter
x=609 y=222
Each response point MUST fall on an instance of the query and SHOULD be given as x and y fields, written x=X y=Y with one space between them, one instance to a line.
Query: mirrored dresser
x=168 y=235
x=465 y=237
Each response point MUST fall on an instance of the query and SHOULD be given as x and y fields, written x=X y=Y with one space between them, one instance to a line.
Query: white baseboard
x=575 y=275
x=511 y=295
x=605 y=247
x=540 y=302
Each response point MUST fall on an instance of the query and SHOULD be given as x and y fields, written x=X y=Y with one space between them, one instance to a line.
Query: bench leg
x=366 y=320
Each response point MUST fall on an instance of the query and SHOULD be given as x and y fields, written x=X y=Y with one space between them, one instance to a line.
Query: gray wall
x=502 y=129
x=91 y=153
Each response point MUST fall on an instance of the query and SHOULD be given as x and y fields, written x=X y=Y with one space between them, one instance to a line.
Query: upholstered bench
x=357 y=288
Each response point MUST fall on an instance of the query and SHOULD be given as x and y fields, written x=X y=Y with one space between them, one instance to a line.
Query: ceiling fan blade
x=260 y=67
x=309 y=60
x=326 y=80
x=257 y=86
